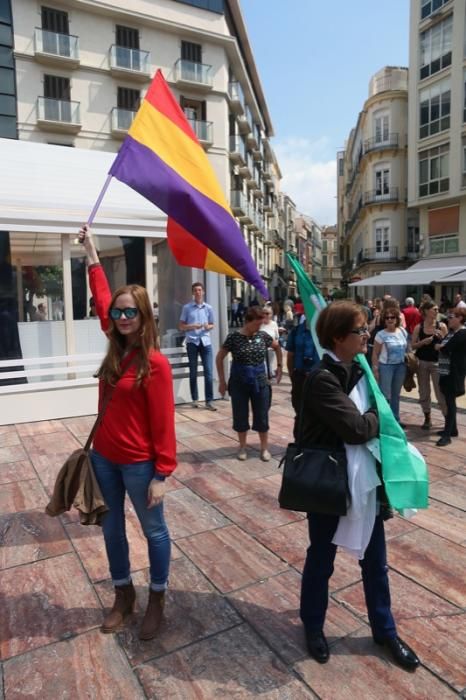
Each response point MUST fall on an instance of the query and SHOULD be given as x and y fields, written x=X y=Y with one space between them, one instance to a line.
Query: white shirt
x=271 y=329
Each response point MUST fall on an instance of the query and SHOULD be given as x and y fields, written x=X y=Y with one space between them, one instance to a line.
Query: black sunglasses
x=130 y=312
x=390 y=318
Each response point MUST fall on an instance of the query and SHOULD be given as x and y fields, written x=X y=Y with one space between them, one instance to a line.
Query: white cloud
x=309 y=177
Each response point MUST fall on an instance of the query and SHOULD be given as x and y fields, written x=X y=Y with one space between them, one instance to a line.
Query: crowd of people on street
x=134 y=447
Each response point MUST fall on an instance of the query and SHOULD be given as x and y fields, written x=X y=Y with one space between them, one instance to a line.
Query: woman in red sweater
x=134 y=447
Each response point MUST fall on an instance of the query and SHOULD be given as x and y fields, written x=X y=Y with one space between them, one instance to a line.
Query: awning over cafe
x=426 y=271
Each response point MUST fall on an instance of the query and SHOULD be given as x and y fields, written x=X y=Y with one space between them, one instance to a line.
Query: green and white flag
x=404 y=469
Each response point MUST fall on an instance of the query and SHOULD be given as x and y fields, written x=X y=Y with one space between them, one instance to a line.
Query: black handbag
x=315 y=479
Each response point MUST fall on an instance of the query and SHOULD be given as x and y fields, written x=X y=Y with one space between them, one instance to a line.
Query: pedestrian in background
x=412 y=317
x=134 y=447
x=452 y=370
x=388 y=357
x=197 y=320
x=271 y=327
x=248 y=382
x=425 y=336
x=301 y=357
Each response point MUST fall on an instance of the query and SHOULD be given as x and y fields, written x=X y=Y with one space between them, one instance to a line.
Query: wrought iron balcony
x=52 y=47
x=59 y=115
x=376 y=143
x=391 y=194
x=240 y=206
x=376 y=254
x=134 y=61
x=236 y=97
x=192 y=73
x=203 y=131
x=121 y=120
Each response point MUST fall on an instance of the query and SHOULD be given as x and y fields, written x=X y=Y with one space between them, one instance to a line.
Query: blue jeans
x=114 y=481
x=205 y=351
x=319 y=568
x=391 y=381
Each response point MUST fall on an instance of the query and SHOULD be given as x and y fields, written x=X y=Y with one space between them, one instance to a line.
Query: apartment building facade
x=331 y=271
x=378 y=232
x=437 y=137
x=72 y=76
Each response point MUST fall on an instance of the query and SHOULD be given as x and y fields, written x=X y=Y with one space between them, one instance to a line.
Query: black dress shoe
x=400 y=651
x=444 y=440
x=441 y=433
x=317 y=646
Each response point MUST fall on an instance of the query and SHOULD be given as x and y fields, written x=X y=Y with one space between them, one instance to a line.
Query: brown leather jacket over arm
x=330 y=418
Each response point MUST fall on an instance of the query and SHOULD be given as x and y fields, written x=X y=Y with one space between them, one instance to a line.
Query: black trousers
x=450 y=419
x=318 y=569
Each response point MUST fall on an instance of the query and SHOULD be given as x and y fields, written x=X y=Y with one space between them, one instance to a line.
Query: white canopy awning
x=52 y=189
x=425 y=271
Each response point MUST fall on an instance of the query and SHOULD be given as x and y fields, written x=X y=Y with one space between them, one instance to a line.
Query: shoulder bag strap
x=105 y=403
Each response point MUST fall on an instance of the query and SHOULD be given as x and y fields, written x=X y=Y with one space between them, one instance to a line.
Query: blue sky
x=315 y=59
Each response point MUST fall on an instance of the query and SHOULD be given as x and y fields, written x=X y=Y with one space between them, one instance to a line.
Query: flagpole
x=99 y=200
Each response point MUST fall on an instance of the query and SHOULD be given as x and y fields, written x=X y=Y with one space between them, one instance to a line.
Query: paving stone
x=51 y=443
x=22 y=495
x=16 y=471
x=40 y=428
x=272 y=608
x=451 y=491
x=187 y=514
x=359 y=669
x=234 y=664
x=212 y=446
x=432 y=561
x=230 y=558
x=193 y=429
x=289 y=542
x=47 y=467
x=13 y=453
x=447 y=658
x=81 y=425
x=30 y=536
x=252 y=468
x=10 y=438
x=216 y=484
x=45 y=602
x=409 y=599
x=258 y=511
x=193 y=610
x=92 y=665
x=444 y=520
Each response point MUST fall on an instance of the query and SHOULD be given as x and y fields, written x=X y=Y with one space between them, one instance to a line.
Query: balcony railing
x=237 y=148
x=240 y=205
x=235 y=94
x=376 y=143
x=374 y=254
x=245 y=121
x=191 y=72
x=391 y=194
x=63 y=112
x=122 y=119
x=124 y=59
x=58 y=45
x=203 y=130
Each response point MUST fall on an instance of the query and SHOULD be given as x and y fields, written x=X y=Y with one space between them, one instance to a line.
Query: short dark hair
x=197 y=284
x=337 y=321
x=254 y=313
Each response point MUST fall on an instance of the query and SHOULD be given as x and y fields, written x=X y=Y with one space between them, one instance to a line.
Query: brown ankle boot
x=427 y=425
x=123 y=606
x=153 y=616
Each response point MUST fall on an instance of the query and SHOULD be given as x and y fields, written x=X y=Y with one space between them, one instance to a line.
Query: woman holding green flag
x=336 y=413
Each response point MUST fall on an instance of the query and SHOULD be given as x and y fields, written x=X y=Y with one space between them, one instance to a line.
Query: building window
x=54 y=21
x=444 y=245
x=57 y=106
x=382 y=237
x=324 y=260
x=381 y=128
x=212 y=5
x=464 y=164
x=127 y=37
x=191 y=52
x=413 y=238
x=434 y=170
x=428 y=7
x=7 y=75
x=128 y=99
x=434 y=109
x=382 y=181
x=435 y=48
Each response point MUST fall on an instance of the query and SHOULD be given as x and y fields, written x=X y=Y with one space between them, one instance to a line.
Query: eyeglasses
x=362 y=330
x=390 y=318
x=130 y=312
x=453 y=316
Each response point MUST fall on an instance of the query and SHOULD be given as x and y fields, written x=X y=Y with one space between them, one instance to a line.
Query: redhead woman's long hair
x=110 y=369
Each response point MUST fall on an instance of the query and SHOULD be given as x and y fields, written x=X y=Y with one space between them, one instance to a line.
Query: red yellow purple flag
x=162 y=159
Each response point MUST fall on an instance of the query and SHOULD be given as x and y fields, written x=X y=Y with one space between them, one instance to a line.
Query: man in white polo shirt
x=197 y=320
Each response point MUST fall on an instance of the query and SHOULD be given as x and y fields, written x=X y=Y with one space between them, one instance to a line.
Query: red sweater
x=413 y=317
x=139 y=422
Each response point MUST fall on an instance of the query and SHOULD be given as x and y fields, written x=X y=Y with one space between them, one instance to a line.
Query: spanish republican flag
x=162 y=159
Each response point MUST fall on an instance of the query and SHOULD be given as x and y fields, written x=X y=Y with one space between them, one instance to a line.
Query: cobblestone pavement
x=232 y=627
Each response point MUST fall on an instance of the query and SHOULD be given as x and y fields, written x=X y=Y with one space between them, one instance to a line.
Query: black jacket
x=329 y=416
x=455 y=349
